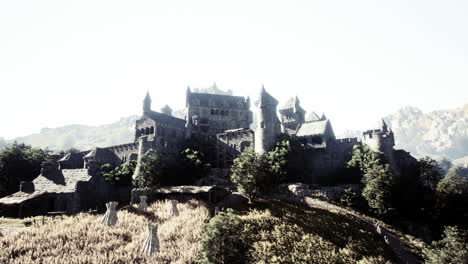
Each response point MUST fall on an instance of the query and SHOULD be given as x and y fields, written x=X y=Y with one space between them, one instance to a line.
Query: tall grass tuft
x=84 y=239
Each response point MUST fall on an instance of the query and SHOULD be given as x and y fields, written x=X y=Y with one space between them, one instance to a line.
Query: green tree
x=152 y=170
x=121 y=175
x=277 y=161
x=376 y=178
x=430 y=172
x=451 y=249
x=221 y=241
x=292 y=159
x=20 y=162
x=452 y=197
x=455 y=183
x=193 y=164
x=249 y=172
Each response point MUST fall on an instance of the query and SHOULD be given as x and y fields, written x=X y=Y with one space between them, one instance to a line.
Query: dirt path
x=404 y=255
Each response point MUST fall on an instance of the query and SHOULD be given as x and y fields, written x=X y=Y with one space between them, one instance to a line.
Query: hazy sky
x=91 y=62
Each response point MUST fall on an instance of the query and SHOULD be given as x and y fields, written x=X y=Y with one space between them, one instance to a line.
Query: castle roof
x=265 y=98
x=61 y=181
x=313 y=128
x=217 y=100
x=167 y=119
x=313 y=117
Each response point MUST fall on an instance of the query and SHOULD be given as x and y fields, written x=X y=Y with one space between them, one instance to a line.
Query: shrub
x=221 y=240
x=285 y=233
x=452 y=248
x=249 y=173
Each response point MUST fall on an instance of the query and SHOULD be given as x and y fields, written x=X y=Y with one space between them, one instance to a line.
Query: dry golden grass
x=83 y=239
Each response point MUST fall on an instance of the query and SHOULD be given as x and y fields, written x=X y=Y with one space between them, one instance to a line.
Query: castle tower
x=268 y=124
x=147 y=103
x=382 y=140
x=292 y=115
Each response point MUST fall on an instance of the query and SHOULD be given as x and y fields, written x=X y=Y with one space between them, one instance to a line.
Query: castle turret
x=382 y=140
x=147 y=104
x=268 y=124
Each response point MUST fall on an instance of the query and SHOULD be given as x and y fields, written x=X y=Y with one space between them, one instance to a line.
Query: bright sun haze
x=91 y=62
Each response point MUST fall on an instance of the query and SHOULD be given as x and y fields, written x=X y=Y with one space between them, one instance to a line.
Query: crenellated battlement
x=347 y=140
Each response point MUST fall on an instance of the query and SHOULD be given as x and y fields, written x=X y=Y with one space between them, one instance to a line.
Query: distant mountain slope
x=83 y=137
x=438 y=133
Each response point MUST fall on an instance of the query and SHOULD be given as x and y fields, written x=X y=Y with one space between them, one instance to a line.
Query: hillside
x=83 y=137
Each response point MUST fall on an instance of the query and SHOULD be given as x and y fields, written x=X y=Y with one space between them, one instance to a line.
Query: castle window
x=212 y=112
x=142 y=131
x=147 y=131
x=216 y=112
x=226 y=112
x=262 y=124
x=152 y=130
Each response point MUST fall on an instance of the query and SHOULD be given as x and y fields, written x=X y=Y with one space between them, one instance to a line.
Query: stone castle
x=225 y=122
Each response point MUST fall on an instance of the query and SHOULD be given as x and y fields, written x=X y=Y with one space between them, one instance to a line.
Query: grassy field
x=83 y=239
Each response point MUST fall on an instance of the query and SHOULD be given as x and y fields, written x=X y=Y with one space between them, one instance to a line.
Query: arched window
x=142 y=131
x=212 y=112
x=152 y=130
x=147 y=131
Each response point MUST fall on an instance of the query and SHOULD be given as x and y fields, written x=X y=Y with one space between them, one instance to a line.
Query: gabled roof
x=61 y=181
x=312 y=117
x=265 y=98
x=313 y=128
x=167 y=119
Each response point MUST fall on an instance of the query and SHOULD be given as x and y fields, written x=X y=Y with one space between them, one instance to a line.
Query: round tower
x=268 y=125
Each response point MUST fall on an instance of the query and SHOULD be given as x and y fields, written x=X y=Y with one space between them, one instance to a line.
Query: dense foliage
x=430 y=172
x=452 y=248
x=152 y=169
x=84 y=239
x=191 y=166
x=376 y=178
x=120 y=175
x=452 y=198
x=279 y=232
x=20 y=162
x=249 y=172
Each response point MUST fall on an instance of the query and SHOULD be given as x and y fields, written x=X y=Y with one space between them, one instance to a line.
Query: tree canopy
x=376 y=178
x=152 y=170
x=20 y=162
